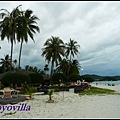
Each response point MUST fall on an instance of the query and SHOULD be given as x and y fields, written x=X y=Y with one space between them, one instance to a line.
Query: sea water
x=106 y=82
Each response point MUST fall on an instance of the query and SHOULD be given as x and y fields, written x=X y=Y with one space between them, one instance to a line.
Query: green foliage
x=2 y=86
x=50 y=93
x=74 y=77
x=32 y=69
x=56 y=89
x=53 y=49
x=16 y=78
x=89 y=79
x=94 y=76
x=108 y=78
x=57 y=76
x=97 y=91
x=36 y=78
x=72 y=48
x=1 y=69
x=5 y=62
x=11 y=113
x=29 y=89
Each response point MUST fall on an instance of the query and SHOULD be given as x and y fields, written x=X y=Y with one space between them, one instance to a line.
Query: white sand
x=117 y=88
x=71 y=105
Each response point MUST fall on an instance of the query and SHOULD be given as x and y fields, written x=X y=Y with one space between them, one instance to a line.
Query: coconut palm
x=26 y=27
x=63 y=66
x=71 y=49
x=5 y=62
x=53 y=51
x=32 y=69
x=75 y=67
x=35 y=69
x=46 y=68
x=8 y=26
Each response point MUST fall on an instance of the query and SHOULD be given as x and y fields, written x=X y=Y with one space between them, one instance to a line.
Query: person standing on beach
x=79 y=82
x=83 y=81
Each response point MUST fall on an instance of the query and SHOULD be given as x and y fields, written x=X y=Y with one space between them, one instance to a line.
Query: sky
x=95 y=25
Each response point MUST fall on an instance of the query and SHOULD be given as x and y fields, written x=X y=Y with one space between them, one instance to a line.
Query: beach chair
x=14 y=93
x=7 y=92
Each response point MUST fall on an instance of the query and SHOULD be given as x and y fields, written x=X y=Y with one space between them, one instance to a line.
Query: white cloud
x=94 y=25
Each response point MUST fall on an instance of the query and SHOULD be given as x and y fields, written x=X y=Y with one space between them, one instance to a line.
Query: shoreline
x=71 y=105
x=116 y=87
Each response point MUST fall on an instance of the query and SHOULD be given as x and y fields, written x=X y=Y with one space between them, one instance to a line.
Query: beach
x=70 y=105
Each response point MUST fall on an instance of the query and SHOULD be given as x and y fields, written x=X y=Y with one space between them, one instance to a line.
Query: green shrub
x=36 y=78
x=28 y=89
x=14 y=78
x=56 y=89
x=74 y=77
x=56 y=77
x=89 y=79
x=50 y=93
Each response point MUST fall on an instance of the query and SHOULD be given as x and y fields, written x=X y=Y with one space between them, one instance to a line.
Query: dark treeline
x=103 y=78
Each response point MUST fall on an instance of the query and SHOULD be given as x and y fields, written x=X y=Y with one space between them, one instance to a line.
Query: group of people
x=78 y=82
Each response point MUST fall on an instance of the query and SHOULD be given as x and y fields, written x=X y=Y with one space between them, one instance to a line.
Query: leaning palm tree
x=26 y=27
x=8 y=26
x=71 y=49
x=53 y=51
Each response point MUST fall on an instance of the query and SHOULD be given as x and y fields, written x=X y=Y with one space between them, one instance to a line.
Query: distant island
x=102 y=78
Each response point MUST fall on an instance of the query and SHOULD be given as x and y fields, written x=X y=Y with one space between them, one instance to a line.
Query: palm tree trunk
x=20 y=54
x=70 y=57
x=12 y=39
x=52 y=66
x=11 y=54
x=68 y=73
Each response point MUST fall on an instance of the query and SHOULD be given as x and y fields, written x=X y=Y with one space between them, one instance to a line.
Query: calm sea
x=106 y=82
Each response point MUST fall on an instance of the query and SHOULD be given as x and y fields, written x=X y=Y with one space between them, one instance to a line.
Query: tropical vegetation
x=97 y=91
x=19 y=25
x=8 y=27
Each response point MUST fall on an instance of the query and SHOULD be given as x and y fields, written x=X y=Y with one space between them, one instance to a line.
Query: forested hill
x=103 y=78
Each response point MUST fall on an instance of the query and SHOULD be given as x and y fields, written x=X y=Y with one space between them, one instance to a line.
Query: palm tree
x=26 y=27
x=27 y=67
x=75 y=67
x=71 y=48
x=63 y=66
x=8 y=26
x=53 y=51
x=15 y=64
x=5 y=62
x=35 y=69
x=32 y=69
x=46 y=68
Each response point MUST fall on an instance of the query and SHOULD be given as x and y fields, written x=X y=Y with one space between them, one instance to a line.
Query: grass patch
x=11 y=113
x=97 y=91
